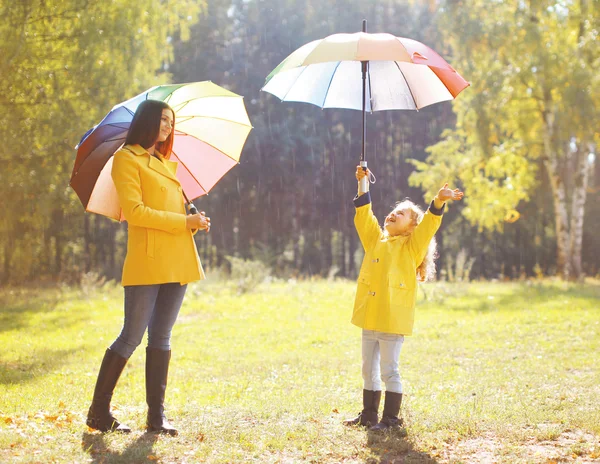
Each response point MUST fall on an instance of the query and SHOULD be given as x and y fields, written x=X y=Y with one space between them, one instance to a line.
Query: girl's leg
x=140 y=301
x=390 y=346
x=158 y=355
x=371 y=380
x=370 y=361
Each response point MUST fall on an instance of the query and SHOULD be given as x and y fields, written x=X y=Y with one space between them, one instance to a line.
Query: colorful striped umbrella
x=211 y=127
x=368 y=72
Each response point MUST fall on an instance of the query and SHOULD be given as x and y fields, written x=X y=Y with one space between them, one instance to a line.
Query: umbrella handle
x=364 y=182
x=193 y=210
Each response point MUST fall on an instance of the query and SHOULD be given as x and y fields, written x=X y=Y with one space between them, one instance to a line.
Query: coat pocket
x=402 y=291
x=399 y=281
x=362 y=291
x=150 y=243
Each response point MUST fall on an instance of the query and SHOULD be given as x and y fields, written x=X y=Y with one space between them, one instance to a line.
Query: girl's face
x=166 y=125
x=398 y=222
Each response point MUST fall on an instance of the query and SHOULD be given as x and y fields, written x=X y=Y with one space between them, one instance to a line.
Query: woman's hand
x=446 y=194
x=198 y=221
x=361 y=173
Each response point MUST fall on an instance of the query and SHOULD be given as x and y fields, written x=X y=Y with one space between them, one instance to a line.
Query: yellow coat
x=160 y=249
x=387 y=282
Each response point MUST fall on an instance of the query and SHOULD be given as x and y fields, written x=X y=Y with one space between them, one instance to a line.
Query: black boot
x=157 y=370
x=99 y=416
x=368 y=416
x=391 y=411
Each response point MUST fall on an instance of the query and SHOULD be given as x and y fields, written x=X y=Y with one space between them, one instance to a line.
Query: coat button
x=163 y=188
x=402 y=285
x=372 y=293
x=376 y=260
x=179 y=189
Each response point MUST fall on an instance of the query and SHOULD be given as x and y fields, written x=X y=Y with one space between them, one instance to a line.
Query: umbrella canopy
x=211 y=127
x=402 y=74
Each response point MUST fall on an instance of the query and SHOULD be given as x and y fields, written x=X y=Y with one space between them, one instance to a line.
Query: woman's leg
x=158 y=354
x=168 y=303
x=139 y=303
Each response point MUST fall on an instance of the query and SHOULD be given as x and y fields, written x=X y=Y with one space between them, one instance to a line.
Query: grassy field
x=495 y=372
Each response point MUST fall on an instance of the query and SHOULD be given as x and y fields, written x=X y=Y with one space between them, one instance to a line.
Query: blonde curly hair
x=426 y=270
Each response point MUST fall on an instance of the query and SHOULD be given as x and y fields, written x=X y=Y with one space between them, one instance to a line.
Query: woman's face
x=166 y=125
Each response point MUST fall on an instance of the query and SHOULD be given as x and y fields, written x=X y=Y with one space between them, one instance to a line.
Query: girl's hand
x=446 y=194
x=361 y=173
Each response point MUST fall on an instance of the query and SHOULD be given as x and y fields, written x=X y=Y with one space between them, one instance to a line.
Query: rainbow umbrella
x=211 y=127
x=367 y=72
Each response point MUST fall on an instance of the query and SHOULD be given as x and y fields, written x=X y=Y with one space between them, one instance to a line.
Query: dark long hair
x=145 y=127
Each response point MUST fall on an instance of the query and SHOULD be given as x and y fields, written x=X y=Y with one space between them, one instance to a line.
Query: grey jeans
x=380 y=360
x=152 y=307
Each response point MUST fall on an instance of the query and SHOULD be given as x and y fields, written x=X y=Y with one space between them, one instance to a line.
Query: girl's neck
x=151 y=150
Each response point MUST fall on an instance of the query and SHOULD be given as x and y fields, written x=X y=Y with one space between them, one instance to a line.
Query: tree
x=533 y=103
x=62 y=72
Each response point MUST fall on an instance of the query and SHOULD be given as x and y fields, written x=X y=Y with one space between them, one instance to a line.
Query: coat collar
x=161 y=165
x=395 y=238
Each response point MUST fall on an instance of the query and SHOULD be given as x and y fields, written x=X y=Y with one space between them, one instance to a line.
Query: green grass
x=495 y=372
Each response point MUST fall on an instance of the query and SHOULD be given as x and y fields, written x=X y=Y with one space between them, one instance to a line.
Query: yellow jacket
x=387 y=282
x=160 y=249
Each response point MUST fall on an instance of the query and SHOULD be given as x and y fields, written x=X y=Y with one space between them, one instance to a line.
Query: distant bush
x=247 y=274
x=91 y=282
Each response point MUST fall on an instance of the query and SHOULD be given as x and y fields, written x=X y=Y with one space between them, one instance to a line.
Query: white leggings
x=380 y=356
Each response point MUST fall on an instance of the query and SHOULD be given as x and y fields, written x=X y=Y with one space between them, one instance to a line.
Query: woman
x=161 y=260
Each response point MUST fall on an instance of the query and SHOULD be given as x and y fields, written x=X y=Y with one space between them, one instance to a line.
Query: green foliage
x=64 y=64
x=524 y=60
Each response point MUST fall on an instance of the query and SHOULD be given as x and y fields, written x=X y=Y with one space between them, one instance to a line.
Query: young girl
x=161 y=260
x=395 y=258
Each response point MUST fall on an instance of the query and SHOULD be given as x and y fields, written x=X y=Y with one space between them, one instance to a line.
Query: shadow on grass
x=38 y=364
x=524 y=296
x=19 y=307
x=394 y=447
x=537 y=294
x=16 y=306
x=139 y=451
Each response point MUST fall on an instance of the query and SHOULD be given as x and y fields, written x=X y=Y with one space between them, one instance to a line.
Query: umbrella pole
x=364 y=182
x=192 y=207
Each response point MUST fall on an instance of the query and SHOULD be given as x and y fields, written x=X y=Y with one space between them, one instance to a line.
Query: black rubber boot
x=99 y=416
x=391 y=411
x=369 y=415
x=157 y=370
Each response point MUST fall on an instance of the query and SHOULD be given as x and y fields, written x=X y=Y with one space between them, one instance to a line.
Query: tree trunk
x=8 y=252
x=560 y=218
x=559 y=196
x=577 y=211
